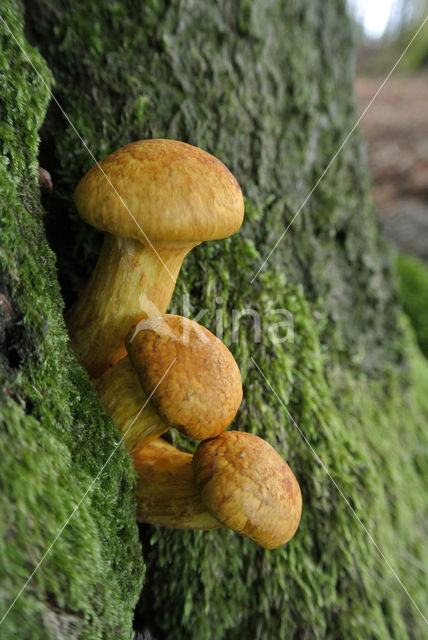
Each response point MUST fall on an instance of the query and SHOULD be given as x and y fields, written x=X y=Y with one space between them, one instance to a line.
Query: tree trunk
x=268 y=88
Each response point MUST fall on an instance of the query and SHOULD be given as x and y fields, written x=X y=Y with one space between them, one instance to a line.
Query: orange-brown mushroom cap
x=246 y=485
x=202 y=391
x=177 y=194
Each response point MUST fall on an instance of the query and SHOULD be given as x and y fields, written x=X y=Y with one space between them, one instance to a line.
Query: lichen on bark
x=267 y=87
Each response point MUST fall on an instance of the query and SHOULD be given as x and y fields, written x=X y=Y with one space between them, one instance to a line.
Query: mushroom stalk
x=126 y=403
x=167 y=493
x=130 y=281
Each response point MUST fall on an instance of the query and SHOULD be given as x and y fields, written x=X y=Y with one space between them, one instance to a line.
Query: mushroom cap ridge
x=246 y=485
x=177 y=193
x=202 y=391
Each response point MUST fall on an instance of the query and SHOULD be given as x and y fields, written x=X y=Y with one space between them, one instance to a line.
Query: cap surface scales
x=247 y=486
x=176 y=193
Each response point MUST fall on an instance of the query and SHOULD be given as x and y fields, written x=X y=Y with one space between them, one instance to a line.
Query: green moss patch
x=54 y=437
x=413 y=284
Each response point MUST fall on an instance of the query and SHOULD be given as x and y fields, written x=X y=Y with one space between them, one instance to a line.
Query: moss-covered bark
x=413 y=285
x=54 y=437
x=267 y=87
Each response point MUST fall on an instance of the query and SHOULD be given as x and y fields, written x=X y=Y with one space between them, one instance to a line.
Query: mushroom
x=156 y=199
x=167 y=493
x=236 y=480
x=203 y=392
x=45 y=179
x=199 y=396
x=246 y=485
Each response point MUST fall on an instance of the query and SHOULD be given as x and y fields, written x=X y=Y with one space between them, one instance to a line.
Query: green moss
x=413 y=283
x=267 y=87
x=54 y=437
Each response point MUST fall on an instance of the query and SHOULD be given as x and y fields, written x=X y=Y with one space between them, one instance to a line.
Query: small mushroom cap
x=178 y=194
x=202 y=391
x=246 y=485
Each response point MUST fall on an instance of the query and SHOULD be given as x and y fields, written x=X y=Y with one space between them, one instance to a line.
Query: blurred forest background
x=396 y=128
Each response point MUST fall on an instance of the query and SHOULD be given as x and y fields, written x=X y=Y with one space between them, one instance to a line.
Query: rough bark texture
x=267 y=87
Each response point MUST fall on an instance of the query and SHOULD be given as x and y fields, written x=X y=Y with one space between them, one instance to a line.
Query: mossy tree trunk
x=268 y=88
x=61 y=473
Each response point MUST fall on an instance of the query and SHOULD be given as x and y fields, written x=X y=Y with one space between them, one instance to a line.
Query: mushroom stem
x=167 y=493
x=123 y=399
x=130 y=280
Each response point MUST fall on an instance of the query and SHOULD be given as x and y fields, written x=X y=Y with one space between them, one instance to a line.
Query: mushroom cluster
x=156 y=200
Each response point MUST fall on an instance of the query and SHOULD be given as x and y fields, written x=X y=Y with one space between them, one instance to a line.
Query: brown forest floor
x=396 y=127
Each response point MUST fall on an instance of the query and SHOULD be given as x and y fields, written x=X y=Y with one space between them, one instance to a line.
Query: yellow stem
x=129 y=281
x=167 y=493
x=126 y=403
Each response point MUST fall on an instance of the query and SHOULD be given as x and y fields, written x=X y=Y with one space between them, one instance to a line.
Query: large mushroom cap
x=246 y=485
x=177 y=193
x=202 y=391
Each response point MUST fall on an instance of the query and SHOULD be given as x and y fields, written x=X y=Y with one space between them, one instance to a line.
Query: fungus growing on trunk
x=203 y=392
x=236 y=480
x=199 y=395
x=246 y=485
x=156 y=200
